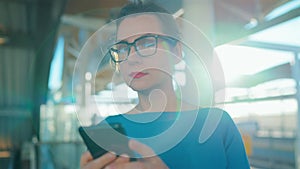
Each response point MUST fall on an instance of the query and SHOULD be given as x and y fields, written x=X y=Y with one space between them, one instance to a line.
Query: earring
x=117 y=68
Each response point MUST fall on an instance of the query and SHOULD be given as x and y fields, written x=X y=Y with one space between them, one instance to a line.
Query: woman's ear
x=177 y=50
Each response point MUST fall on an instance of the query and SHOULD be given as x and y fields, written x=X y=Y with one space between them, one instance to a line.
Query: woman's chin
x=139 y=85
x=139 y=88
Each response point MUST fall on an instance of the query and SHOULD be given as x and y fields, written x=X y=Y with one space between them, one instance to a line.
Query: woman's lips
x=137 y=75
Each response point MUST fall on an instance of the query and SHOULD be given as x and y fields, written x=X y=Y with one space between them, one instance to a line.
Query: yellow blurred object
x=4 y=154
x=247 y=143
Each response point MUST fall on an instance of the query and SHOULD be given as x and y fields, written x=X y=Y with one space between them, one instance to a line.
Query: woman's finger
x=101 y=161
x=150 y=159
x=85 y=158
x=130 y=165
x=122 y=159
x=141 y=148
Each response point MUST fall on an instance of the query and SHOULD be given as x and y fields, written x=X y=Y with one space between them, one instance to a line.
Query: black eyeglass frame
x=171 y=40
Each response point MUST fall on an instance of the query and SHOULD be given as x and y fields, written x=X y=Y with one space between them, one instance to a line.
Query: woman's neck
x=157 y=100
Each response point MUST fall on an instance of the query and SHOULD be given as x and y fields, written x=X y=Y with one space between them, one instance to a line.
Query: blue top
x=205 y=138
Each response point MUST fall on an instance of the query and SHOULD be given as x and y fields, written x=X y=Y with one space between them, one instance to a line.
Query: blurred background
x=257 y=42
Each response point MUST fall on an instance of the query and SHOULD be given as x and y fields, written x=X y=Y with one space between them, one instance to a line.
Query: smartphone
x=101 y=139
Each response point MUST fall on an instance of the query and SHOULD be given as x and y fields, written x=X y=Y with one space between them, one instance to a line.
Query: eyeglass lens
x=144 y=46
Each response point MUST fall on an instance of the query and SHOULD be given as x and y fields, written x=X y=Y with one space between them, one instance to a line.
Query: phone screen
x=100 y=139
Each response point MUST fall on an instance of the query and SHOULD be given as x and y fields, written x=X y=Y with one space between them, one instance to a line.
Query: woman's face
x=151 y=72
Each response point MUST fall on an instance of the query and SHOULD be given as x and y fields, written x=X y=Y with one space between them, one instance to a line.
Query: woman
x=145 y=55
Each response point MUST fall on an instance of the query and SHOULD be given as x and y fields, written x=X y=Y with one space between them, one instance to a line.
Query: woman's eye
x=122 y=50
x=149 y=44
x=146 y=43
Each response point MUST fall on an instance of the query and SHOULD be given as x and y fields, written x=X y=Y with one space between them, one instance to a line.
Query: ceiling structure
x=28 y=30
x=233 y=19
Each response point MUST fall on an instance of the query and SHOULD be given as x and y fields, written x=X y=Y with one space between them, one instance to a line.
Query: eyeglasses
x=144 y=46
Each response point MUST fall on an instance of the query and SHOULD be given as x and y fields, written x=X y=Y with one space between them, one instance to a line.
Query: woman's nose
x=133 y=56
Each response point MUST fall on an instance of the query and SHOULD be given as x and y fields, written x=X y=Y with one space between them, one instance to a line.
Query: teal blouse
x=205 y=138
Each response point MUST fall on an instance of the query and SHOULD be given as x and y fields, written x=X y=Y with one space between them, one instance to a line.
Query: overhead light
x=178 y=13
x=3 y=39
x=252 y=23
x=286 y=33
x=283 y=9
x=4 y=154
x=3 y=35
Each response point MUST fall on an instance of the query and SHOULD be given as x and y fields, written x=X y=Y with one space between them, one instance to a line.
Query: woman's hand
x=149 y=161
x=87 y=161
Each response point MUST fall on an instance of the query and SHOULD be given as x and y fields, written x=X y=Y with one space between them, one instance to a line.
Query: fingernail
x=110 y=167
x=124 y=155
x=131 y=143
x=112 y=154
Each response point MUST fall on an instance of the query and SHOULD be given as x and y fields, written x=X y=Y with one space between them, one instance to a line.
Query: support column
x=201 y=14
x=296 y=74
x=198 y=34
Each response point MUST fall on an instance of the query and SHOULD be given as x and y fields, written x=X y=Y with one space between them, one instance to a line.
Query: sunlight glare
x=242 y=60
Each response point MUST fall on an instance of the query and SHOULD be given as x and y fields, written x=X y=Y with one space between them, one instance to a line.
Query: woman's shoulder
x=217 y=116
x=214 y=112
x=210 y=112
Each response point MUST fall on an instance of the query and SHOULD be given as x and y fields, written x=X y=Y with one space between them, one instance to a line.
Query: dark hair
x=134 y=8
x=169 y=24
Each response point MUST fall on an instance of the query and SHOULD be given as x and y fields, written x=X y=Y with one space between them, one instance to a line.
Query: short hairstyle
x=133 y=8
x=165 y=17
